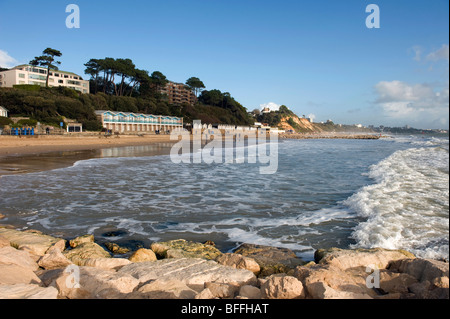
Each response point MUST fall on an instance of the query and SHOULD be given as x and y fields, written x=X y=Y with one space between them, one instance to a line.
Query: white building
x=34 y=75
x=3 y=112
x=135 y=122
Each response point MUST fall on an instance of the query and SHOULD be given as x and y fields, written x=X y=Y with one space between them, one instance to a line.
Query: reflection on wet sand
x=47 y=161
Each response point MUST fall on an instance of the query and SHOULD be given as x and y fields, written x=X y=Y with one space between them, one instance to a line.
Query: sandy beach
x=25 y=155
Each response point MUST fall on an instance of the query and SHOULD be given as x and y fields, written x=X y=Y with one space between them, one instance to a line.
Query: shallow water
x=390 y=193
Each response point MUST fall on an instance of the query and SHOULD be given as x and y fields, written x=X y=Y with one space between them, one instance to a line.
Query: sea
x=391 y=193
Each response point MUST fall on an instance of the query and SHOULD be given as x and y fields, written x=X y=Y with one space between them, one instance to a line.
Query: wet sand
x=26 y=155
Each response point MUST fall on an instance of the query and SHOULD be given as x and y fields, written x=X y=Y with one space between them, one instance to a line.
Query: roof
x=59 y=71
x=3 y=108
x=100 y=112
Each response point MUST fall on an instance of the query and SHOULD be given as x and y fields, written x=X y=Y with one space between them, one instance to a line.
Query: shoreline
x=27 y=155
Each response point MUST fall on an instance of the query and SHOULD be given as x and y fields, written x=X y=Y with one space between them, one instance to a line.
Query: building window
x=57 y=74
x=61 y=81
x=22 y=75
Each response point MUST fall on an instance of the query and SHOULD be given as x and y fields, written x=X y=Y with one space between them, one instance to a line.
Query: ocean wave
x=407 y=207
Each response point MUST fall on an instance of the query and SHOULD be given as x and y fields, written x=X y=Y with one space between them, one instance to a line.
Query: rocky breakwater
x=37 y=266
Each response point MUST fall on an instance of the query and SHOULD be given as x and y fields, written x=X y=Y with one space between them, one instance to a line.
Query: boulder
x=54 y=259
x=106 y=263
x=12 y=256
x=272 y=260
x=350 y=258
x=205 y=294
x=194 y=272
x=239 y=262
x=222 y=290
x=282 y=287
x=181 y=248
x=4 y=242
x=94 y=283
x=32 y=242
x=421 y=269
x=13 y=274
x=391 y=282
x=116 y=249
x=81 y=240
x=250 y=292
x=164 y=289
x=142 y=255
x=27 y=291
x=352 y=282
x=86 y=251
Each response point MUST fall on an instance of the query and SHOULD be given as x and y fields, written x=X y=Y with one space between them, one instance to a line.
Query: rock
x=35 y=243
x=181 y=248
x=116 y=249
x=27 y=291
x=14 y=274
x=222 y=290
x=94 y=283
x=86 y=251
x=54 y=259
x=350 y=258
x=239 y=262
x=2 y=216
x=165 y=289
x=421 y=269
x=271 y=260
x=4 y=242
x=250 y=292
x=392 y=282
x=106 y=263
x=142 y=255
x=205 y=294
x=81 y=240
x=352 y=282
x=194 y=272
x=319 y=290
x=282 y=287
x=12 y=256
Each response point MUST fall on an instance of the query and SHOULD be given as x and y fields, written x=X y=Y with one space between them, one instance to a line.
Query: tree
x=158 y=80
x=47 y=60
x=195 y=85
x=93 y=68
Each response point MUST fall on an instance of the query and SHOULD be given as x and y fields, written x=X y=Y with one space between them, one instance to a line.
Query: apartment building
x=177 y=94
x=34 y=75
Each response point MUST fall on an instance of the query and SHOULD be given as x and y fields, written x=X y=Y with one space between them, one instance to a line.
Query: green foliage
x=27 y=87
x=5 y=121
x=27 y=122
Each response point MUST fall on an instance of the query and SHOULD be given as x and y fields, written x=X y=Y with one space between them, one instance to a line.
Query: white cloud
x=271 y=105
x=417 y=50
x=440 y=54
x=414 y=103
x=6 y=61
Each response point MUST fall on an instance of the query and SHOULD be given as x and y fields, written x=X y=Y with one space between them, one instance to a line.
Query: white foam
x=408 y=206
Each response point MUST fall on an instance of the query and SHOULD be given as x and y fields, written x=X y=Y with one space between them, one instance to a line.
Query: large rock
x=142 y=255
x=85 y=251
x=181 y=248
x=12 y=256
x=421 y=269
x=272 y=260
x=106 y=263
x=94 y=283
x=318 y=278
x=164 y=289
x=35 y=243
x=239 y=262
x=282 y=287
x=194 y=272
x=81 y=240
x=54 y=259
x=350 y=258
x=27 y=291
x=14 y=274
x=4 y=242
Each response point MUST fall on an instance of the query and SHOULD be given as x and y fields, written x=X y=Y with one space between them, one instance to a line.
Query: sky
x=318 y=58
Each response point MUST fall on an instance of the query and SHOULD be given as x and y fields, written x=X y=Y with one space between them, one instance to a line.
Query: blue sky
x=316 y=57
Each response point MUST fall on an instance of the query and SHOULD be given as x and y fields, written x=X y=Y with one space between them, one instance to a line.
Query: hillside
x=285 y=119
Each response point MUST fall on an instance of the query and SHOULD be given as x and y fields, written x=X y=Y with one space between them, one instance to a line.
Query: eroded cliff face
x=302 y=125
